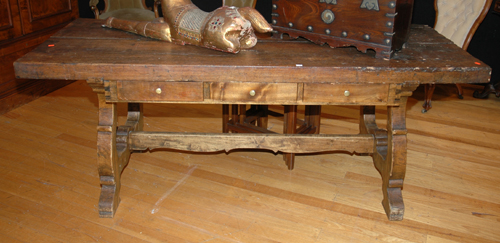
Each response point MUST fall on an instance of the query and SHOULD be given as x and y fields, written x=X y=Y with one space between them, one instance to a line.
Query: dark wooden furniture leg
x=429 y=90
x=460 y=91
x=389 y=154
x=310 y=125
x=262 y=121
x=290 y=127
x=242 y=120
x=234 y=115
x=312 y=119
x=488 y=89
x=113 y=150
x=242 y=115
x=225 y=118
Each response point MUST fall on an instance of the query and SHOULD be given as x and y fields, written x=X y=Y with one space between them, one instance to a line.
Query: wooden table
x=122 y=67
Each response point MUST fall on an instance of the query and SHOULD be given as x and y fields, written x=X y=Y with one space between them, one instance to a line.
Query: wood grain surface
x=49 y=185
x=85 y=50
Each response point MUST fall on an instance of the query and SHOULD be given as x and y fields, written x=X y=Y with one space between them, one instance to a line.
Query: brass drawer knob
x=347 y=93
x=158 y=90
x=252 y=92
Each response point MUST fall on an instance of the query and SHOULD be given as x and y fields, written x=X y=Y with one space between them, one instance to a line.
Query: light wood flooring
x=49 y=185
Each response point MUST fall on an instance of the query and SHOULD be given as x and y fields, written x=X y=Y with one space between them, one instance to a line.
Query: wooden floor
x=49 y=185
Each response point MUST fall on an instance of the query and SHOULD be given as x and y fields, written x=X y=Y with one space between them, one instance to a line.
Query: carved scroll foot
x=289 y=127
x=393 y=203
x=113 y=151
x=108 y=201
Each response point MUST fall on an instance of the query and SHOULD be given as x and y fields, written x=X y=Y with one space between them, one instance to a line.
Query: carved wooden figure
x=227 y=29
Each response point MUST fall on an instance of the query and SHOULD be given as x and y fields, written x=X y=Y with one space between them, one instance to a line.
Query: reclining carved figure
x=227 y=29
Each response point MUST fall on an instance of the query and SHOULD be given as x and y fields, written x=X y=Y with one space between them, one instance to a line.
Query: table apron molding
x=287 y=143
x=198 y=92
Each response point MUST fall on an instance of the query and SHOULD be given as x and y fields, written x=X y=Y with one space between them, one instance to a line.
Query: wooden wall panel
x=40 y=14
x=5 y=15
x=42 y=9
x=10 y=24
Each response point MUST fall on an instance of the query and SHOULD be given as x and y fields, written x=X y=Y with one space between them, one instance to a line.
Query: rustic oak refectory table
x=122 y=67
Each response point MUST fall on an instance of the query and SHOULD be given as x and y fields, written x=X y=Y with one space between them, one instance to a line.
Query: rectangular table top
x=85 y=50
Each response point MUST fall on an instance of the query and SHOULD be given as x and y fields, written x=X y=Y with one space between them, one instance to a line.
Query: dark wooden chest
x=380 y=25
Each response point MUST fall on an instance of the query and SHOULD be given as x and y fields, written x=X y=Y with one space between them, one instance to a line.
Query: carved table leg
x=113 y=151
x=107 y=158
x=234 y=115
x=393 y=168
x=263 y=119
x=389 y=154
x=225 y=118
x=290 y=126
x=429 y=90
x=313 y=117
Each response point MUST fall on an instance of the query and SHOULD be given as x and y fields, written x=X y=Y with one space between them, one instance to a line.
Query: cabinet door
x=10 y=23
x=41 y=14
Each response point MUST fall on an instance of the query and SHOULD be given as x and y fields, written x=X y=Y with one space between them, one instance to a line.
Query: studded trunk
x=380 y=25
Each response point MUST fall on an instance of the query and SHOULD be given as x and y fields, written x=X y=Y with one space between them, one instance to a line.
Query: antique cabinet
x=24 y=24
x=380 y=25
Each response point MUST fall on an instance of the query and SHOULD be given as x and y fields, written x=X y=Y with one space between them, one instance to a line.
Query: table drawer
x=155 y=91
x=346 y=93
x=269 y=93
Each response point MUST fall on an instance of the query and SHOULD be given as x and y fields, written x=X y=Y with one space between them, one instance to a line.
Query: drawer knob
x=347 y=93
x=252 y=92
x=158 y=90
